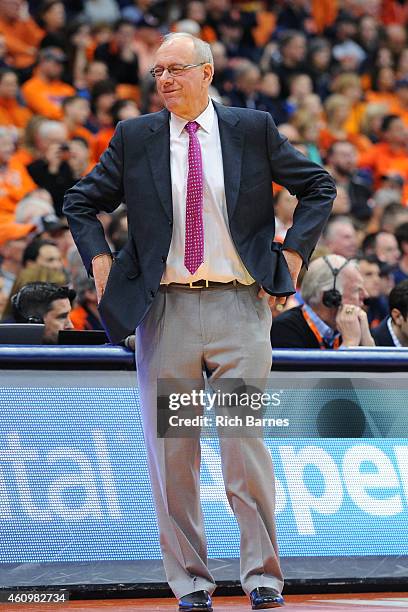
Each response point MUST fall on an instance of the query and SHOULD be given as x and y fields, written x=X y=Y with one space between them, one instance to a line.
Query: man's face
x=397 y=133
x=53 y=65
x=386 y=248
x=185 y=95
x=50 y=257
x=353 y=290
x=344 y=240
x=344 y=158
x=6 y=148
x=13 y=250
x=10 y=8
x=78 y=110
x=97 y=71
x=295 y=49
x=8 y=86
x=57 y=319
x=249 y=82
x=371 y=276
x=125 y=35
x=79 y=155
x=402 y=325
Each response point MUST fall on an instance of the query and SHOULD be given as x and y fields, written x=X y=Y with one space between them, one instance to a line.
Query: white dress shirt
x=221 y=260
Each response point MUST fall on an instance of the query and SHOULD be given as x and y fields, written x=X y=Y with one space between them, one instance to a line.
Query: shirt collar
x=205 y=120
x=392 y=332
x=327 y=333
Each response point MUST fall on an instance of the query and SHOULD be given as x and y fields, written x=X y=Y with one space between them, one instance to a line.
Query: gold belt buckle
x=198 y=286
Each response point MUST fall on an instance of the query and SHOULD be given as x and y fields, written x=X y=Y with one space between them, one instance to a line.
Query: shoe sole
x=195 y=609
x=268 y=605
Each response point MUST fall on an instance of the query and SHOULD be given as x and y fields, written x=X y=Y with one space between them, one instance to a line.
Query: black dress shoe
x=199 y=600
x=265 y=597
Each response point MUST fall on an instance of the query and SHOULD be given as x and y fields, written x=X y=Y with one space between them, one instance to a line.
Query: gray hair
x=31 y=207
x=319 y=278
x=244 y=67
x=330 y=229
x=202 y=49
x=48 y=127
x=6 y=132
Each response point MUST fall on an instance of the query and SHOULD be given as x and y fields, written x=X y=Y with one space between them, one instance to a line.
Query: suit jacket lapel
x=232 y=141
x=158 y=151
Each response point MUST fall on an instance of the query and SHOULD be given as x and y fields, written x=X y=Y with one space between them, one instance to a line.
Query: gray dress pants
x=225 y=332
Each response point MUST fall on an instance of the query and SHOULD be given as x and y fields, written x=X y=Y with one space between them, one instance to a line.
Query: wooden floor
x=361 y=602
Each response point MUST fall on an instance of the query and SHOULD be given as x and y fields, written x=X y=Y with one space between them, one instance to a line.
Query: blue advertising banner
x=74 y=484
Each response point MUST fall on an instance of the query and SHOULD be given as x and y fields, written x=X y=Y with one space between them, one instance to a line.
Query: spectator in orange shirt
x=22 y=34
x=76 y=113
x=391 y=154
x=12 y=113
x=45 y=91
x=15 y=182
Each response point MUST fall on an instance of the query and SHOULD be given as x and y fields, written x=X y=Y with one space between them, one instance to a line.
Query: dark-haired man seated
x=393 y=331
x=44 y=303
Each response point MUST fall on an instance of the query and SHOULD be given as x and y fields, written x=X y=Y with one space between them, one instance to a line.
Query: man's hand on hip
x=101 y=265
x=294 y=261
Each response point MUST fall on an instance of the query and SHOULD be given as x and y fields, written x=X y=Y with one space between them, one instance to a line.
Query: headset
x=332 y=297
x=16 y=303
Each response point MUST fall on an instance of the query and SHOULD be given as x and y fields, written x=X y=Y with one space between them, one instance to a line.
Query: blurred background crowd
x=332 y=73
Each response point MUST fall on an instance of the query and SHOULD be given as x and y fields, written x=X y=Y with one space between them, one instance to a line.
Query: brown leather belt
x=205 y=284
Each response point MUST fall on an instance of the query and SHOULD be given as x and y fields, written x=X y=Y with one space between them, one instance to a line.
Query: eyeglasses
x=173 y=70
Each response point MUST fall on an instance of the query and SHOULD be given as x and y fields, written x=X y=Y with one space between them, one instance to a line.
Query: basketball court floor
x=361 y=602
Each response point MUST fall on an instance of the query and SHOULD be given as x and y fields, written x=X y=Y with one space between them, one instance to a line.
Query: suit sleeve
x=100 y=191
x=309 y=182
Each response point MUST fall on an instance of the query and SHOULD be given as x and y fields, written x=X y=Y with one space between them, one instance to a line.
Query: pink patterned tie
x=194 y=244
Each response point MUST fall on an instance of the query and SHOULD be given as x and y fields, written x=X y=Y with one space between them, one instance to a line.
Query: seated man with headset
x=332 y=316
x=44 y=303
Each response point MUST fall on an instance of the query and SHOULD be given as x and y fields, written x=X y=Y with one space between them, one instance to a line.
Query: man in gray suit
x=196 y=279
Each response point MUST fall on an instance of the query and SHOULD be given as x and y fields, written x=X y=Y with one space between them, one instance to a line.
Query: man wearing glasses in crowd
x=196 y=279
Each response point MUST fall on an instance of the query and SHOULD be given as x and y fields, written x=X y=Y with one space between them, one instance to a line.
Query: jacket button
x=170 y=223
x=152 y=293
x=163 y=259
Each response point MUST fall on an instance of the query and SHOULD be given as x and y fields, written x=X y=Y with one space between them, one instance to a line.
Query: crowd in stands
x=332 y=73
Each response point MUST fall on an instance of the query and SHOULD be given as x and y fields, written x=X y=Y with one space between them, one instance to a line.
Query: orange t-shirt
x=23 y=38
x=324 y=13
x=383 y=97
x=101 y=141
x=381 y=159
x=15 y=183
x=12 y=113
x=45 y=97
x=22 y=156
x=353 y=121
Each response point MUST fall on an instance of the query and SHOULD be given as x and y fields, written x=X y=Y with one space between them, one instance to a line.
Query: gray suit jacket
x=135 y=169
